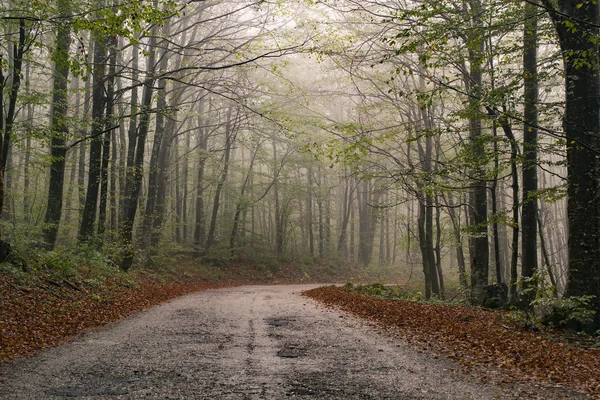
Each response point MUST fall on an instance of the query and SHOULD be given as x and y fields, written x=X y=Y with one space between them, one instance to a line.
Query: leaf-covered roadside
x=47 y=313
x=477 y=338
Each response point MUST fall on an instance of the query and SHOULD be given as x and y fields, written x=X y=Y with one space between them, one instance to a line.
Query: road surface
x=251 y=342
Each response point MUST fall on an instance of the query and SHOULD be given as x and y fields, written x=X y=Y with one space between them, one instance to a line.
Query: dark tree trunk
x=59 y=128
x=151 y=214
x=88 y=219
x=241 y=204
x=577 y=26
x=135 y=174
x=229 y=139
x=87 y=105
x=131 y=131
x=479 y=248
x=106 y=142
x=348 y=203
x=529 y=260
x=460 y=255
x=438 y=248
x=6 y=125
x=200 y=222
x=279 y=216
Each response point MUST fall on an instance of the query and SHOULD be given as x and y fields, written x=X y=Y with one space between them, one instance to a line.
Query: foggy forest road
x=250 y=342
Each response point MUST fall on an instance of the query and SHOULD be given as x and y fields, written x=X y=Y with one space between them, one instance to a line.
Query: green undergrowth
x=411 y=292
x=92 y=265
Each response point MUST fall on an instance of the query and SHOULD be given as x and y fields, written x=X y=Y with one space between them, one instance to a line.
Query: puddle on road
x=279 y=321
x=291 y=351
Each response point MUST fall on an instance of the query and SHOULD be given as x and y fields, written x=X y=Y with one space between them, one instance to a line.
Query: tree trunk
x=479 y=248
x=6 y=125
x=154 y=171
x=108 y=133
x=241 y=204
x=88 y=219
x=135 y=174
x=529 y=251
x=229 y=139
x=309 y=213
x=200 y=221
x=577 y=26
x=58 y=126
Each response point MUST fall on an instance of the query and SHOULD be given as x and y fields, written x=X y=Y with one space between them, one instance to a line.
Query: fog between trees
x=452 y=141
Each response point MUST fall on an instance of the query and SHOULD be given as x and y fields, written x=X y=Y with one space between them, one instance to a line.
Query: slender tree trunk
x=200 y=222
x=26 y=165
x=460 y=255
x=438 y=248
x=309 y=213
x=347 y=211
x=547 y=257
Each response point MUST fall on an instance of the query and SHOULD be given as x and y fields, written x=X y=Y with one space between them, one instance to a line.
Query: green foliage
x=572 y=312
x=20 y=276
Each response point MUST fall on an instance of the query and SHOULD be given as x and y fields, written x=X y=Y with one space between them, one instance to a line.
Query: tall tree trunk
x=88 y=219
x=577 y=26
x=241 y=204
x=309 y=213
x=132 y=136
x=425 y=254
x=136 y=172
x=479 y=248
x=200 y=222
x=154 y=170
x=109 y=132
x=279 y=217
x=163 y=179
x=6 y=124
x=494 y=198
x=58 y=125
x=347 y=210
x=229 y=139
x=438 y=248
x=529 y=251
x=87 y=105
x=27 y=206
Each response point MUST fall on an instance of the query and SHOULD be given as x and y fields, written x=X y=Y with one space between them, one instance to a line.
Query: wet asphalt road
x=251 y=342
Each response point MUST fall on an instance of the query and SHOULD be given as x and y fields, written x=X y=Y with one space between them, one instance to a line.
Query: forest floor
x=484 y=342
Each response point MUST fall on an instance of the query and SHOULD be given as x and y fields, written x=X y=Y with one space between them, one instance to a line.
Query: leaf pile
x=44 y=315
x=477 y=338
